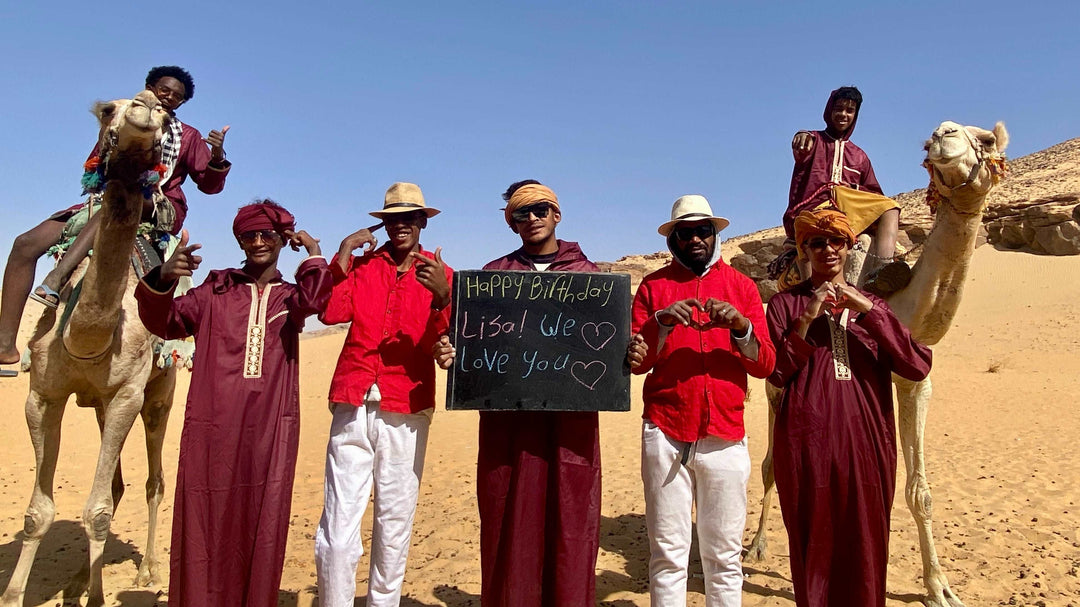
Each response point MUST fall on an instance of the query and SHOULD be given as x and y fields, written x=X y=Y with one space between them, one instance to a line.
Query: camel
x=95 y=347
x=965 y=163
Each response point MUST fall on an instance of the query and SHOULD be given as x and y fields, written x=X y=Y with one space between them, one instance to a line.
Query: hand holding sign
x=443 y=351
x=636 y=351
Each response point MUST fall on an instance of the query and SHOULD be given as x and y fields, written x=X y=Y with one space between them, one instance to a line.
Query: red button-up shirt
x=392 y=332
x=697 y=382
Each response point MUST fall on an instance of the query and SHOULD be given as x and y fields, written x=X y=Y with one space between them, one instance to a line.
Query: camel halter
x=994 y=162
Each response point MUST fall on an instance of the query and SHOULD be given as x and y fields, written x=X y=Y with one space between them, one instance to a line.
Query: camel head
x=131 y=128
x=965 y=163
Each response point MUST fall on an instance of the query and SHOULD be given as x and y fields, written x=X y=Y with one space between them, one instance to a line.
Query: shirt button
x=388 y=311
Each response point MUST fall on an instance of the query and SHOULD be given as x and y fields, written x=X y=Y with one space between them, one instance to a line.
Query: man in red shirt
x=699 y=329
x=382 y=396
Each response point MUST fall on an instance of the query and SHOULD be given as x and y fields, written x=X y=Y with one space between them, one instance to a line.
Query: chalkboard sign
x=540 y=341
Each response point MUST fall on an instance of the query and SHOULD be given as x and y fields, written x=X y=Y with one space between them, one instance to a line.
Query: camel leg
x=118 y=476
x=43 y=418
x=913 y=400
x=758 y=549
x=120 y=414
x=155 y=416
x=78 y=584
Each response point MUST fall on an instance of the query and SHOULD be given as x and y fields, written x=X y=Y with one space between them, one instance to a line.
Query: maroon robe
x=835 y=446
x=809 y=177
x=241 y=430
x=538 y=490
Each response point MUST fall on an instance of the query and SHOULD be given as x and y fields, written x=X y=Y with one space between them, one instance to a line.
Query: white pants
x=715 y=475
x=368 y=444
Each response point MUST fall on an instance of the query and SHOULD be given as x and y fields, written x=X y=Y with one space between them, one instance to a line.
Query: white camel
x=965 y=163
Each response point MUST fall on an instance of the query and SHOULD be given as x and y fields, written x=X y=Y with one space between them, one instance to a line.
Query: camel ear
x=1001 y=136
x=104 y=110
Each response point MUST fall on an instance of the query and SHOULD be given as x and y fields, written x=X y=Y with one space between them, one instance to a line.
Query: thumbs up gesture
x=216 y=139
x=431 y=273
x=182 y=262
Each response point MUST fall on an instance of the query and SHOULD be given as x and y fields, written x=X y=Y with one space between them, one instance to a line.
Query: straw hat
x=404 y=198
x=691 y=207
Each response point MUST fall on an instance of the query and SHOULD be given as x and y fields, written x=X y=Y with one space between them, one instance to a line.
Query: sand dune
x=1004 y=464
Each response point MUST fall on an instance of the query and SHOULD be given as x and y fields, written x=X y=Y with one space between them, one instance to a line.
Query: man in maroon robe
x=828 y=158
x=242 y=421
x=834 y=440
x=537 y=472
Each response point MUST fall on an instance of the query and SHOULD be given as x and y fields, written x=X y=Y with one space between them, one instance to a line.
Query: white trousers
x=368 y=445
x=714 y=475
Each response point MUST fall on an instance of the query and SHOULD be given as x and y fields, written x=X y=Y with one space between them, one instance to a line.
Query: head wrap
x=263 y=216
x=828 y=110
x=529 y=194
x=825 y=222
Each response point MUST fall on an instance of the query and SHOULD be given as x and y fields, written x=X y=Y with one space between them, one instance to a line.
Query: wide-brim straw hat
x=691 y=207
x=404 y=197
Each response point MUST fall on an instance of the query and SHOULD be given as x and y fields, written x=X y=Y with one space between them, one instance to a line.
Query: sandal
x=8 y=373
x=48 y=297
x=889 y=279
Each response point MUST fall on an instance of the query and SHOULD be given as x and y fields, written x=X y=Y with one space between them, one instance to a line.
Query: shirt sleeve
x=792 y=351
x=753 y=310
x=910 y=359
x=166 y=316
x=314 y=285
x=339 y=306
x=643 y=321
x=869 y=179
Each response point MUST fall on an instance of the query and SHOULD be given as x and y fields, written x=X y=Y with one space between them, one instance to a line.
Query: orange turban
x=825 y=222
x=530 y=194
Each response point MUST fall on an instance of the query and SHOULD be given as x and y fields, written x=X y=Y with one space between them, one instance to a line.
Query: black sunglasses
x=540 y=209
x=249 y=237
x=702 y=231
x=836 y=242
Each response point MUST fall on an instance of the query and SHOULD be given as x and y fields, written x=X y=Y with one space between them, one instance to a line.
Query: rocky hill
x=1037 y=209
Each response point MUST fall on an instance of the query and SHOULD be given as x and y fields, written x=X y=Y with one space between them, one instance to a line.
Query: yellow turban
x=825 y=222
x=530 y=194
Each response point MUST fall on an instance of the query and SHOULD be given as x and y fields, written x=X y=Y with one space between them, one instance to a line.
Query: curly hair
x=516 y=185
x=172 y=71
x=851 y=93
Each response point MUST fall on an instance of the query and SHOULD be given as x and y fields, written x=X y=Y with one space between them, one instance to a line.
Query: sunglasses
x=251 y=236
x=540 y=210
x=818 y=244
x=702 y=231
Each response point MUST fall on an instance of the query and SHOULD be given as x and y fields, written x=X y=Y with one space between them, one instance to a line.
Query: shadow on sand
x=61 y=557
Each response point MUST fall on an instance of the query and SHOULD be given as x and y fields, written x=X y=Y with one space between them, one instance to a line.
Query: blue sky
x=620 y=107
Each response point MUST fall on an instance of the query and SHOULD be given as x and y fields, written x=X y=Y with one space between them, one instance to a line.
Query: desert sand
x=1002 y=449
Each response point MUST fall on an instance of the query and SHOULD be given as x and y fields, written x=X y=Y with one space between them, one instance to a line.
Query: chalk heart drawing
x=588 y=374
x=597 y=334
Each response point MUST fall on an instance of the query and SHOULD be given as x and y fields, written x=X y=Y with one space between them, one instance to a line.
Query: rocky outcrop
x=1045 y=225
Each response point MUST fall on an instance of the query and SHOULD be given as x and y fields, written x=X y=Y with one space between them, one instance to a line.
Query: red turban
x=263 y=216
